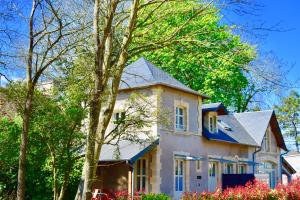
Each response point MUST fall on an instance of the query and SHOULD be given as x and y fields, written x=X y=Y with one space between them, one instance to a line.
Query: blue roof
x=220 y=136
x=214 y=107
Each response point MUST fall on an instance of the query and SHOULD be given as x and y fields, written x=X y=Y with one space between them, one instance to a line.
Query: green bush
x=155 y=197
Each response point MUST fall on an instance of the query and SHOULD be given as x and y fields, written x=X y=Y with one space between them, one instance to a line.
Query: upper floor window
x=212 y=124
x=180 y=119
x=118 y=117
x=267 y=141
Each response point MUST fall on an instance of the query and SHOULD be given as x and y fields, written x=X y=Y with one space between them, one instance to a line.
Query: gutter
x=281 y=161
x=253 y=158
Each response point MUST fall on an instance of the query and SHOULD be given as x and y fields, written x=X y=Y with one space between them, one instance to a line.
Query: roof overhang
x=203 y=96
x=277 y=132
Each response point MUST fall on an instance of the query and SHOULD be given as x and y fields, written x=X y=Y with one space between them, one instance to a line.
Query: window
x=212 y=169
x=198 y=165
x=118 y=118
x=141 y=175
x=267 y=141
x=213 y=124
x=242 y=169
x=180 y=119
x=228 y=169
x=179 y=171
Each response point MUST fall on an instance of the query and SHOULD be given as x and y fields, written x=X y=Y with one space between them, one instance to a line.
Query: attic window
x=224 y=125
x=213 y=124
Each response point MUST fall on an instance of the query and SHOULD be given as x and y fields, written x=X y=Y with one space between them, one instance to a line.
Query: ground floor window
x=179 y=175
x=141 y=175
x=228 y=168
x=242 y=169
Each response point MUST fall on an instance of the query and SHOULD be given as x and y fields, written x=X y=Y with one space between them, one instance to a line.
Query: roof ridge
x=270 y=110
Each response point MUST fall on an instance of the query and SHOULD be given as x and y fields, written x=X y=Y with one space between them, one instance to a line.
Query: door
x=179 y=178
x=212 y=176
x=272 y=179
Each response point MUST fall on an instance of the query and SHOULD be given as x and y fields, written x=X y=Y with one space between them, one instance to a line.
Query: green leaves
x=206 y=56
x=288 y=114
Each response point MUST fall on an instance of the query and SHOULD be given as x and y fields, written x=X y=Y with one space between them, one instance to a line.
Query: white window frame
x=179 y=175
x=140 y=176
x=212 y=123
x=178 y=116
x=185 y=106
x=212 y=169
x=239 y=167
x=228 y=170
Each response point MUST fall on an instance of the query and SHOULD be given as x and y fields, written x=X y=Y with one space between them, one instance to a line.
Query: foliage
x=211 y=60
x=288 y=113
x=54 y=142
x=123 y=195
x=251 y=191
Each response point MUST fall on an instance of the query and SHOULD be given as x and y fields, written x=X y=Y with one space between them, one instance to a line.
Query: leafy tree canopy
x=212 y=62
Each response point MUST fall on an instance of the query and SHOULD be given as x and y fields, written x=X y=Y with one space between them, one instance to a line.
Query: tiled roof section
x=143 y=73
x=216 y=107
x=236 y=131
x=211 y=105
x=255 y=123
x=129 y=151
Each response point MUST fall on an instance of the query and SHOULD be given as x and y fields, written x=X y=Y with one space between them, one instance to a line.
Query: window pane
x=181 y=167
x=138 y=167
x=181 y=121
x=176 y=167
x=144 y=167
x=176 y=183
x=180 y=111
x=138 y=183
x=180 y=183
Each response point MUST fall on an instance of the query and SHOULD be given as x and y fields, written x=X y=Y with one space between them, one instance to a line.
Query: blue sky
x=286 y=44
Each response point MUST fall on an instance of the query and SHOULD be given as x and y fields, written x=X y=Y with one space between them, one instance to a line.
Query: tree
x=213 y=61
x=48 y=40
x=288 y=112
x=120 y=32
x=55 y=142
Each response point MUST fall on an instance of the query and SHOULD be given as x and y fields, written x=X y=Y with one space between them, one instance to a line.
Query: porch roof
x=126 y=151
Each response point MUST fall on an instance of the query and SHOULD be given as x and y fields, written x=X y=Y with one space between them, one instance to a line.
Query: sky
x=285 y=44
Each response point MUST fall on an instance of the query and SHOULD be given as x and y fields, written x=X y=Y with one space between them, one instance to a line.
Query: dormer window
x=180 y=119
x=213 y=124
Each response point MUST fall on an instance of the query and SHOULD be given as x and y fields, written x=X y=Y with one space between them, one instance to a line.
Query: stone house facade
x=199 y=144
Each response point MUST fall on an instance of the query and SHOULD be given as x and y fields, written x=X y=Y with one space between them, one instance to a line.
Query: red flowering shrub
x=251 y=191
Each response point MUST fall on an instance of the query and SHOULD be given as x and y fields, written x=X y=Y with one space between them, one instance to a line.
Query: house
x=292 y=160
x=199 y=144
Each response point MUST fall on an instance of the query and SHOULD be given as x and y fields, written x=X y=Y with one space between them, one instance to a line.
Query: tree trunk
x=23 y=145
x=65 y=182
x=27 y=112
